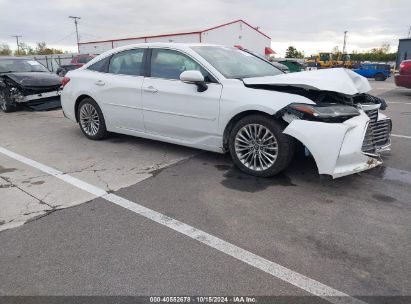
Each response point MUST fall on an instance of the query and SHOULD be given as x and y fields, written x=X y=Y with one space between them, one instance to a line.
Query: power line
x=61 y=39
x=75 y=24
x=17 y=41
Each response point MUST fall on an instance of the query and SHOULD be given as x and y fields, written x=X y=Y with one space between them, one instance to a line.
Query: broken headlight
x=323 y=112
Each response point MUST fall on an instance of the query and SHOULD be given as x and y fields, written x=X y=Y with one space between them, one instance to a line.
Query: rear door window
x=127 y=63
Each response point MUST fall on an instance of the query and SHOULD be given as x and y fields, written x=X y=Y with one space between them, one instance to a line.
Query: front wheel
x=6 y=107
x=379 y=77
x=91 y=120
x=258 y=146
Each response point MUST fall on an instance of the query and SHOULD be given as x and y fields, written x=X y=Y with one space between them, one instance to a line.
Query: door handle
x=100 y=82
x=150 y=89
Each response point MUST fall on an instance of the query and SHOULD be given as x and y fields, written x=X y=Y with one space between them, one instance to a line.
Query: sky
x=310 y=26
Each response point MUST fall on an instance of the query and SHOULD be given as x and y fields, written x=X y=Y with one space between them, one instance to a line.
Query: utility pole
x=345 y=41
x=17 y=41
x=75 y=23
x=409 y=32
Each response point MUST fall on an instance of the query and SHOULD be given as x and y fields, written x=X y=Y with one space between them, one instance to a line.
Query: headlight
x=323 y=112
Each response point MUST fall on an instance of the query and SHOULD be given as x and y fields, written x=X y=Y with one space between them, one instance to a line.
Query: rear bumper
x=403 y=81
x=337 y=147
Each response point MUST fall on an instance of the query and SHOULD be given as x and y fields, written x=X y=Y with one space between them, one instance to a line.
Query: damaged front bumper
x=39 y=101
x=341 y=149
x=38 y=97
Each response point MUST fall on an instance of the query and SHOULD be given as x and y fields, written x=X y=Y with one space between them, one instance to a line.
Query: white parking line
x=398 y=102
x=401 y=136
x=294 y=278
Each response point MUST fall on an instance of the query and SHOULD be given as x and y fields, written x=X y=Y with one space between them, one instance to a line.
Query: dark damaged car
x=25 y=81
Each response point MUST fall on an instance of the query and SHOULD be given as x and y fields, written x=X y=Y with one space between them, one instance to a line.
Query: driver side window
x=169 y=64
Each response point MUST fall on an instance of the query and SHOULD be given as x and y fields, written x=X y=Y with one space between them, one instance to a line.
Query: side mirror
x=196 y=78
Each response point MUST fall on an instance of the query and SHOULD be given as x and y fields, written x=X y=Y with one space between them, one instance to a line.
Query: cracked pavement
x=49 y=138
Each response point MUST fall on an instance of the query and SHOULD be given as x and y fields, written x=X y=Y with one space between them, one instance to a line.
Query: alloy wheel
x=89 y=119
x=256 y=147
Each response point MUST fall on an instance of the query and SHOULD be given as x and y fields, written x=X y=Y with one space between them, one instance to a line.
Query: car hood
x=336 y=80
x=34 y=79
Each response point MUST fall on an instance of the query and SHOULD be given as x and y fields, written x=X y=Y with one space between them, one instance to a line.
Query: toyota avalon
x=223 y=99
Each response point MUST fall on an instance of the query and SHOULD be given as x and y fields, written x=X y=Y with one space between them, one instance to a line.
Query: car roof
x=180 y=46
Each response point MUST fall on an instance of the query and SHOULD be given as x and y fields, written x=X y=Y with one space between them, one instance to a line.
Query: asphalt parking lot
x=178 y=221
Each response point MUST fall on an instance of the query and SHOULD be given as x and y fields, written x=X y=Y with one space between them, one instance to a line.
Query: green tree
x=42 y=49
x=381 y=54
x=292 y=52
x=24 y=49
x=336 y=50
x=5 y=49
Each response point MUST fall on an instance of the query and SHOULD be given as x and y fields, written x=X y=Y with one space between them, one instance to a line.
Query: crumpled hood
x=336 y=80
x=34 y=79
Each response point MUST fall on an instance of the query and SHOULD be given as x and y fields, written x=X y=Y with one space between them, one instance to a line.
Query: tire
x=91 y=120
x=5 y=106
x=271 y=156
x=379 y=77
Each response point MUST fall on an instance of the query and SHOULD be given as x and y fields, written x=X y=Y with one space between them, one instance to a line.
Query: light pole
x=345 y=41
x=17 y=41
x=75 y=24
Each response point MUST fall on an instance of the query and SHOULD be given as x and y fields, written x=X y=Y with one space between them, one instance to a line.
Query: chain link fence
x=53 y=62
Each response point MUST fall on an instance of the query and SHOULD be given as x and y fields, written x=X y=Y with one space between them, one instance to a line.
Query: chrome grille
x=368 y=145
x=377 y=134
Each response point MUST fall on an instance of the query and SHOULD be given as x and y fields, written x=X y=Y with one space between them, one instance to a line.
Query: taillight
x=64 y=81
x=405 y=67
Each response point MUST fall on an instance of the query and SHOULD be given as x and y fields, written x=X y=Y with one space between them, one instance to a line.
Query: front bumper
x=38 y=97
x=337 y=148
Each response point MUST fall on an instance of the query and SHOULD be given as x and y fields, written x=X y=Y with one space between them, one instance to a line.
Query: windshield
x=234 y=63
x=21 y=65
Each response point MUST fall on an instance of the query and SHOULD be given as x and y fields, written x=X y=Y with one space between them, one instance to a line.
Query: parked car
x=312 y=66
x=76 y=62
x=223 y=99
x=403 y=79
x=378 y=71
x=26 y=81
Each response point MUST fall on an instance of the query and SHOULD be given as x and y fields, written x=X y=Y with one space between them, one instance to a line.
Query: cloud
x=306 y=24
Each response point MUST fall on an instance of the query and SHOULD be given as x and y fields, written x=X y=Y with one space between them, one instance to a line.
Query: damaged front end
x=343 y=138
x=38 y=94
x=344 y=133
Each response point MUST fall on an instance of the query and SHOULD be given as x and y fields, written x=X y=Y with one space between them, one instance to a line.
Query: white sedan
x=222 y=99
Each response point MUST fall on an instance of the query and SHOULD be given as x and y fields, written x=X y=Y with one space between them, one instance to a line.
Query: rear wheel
x=258 y=146
x=91 y=120
x=379 y=77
